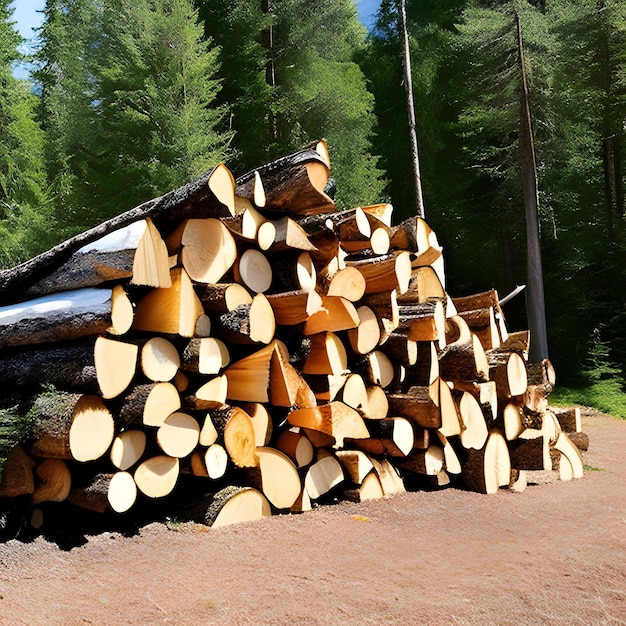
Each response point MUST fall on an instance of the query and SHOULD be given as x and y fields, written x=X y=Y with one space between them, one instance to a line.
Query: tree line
x=131 y=98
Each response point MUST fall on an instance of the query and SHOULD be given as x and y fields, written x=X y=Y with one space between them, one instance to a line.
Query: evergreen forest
x=129 y=99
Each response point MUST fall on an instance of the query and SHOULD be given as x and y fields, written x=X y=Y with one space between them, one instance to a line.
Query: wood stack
x=247 y=336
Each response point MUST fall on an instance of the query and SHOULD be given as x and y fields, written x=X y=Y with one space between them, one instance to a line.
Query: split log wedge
x=211 y=395
x=277 y=477
x=287 y=387
x=383 y=273
x=151 y=266
x=147 y=404
x=261 y=421
x=366 y=336
x=127 y=448
x=327 y=355
x=508 y=370
x=390 y=480
x=56 y=482
x=249 y=323
x=474 y=433
x=391 y=436
x=357 y=464
x=423 y=284
x=335 y=314
x=322 y=476
x=488 y=469
x=369 y=489
x=16 y=478
x=222 y=297
x=466 y=361
x=296 y=446
x=205 y=355
x=116 y=364
x=428 y=462
x=335 y=419
x=159 y=359
x=565 y=446
x=420 y=405
x=348 y=283
x=249 y=378
x=293 y=307
x=236 y=429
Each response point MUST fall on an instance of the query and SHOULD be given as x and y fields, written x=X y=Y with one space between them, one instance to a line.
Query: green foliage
x=14 y=428
x=606 y=395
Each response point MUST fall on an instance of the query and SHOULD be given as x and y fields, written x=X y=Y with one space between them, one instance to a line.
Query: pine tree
x=23 y=203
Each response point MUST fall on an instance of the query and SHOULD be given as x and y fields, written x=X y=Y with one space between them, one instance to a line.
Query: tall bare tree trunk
x=535 y=303
x=267 y=39
x=408 y=87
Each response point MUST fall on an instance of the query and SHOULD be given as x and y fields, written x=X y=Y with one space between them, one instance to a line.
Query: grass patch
x=593 y=468
x=605 y=395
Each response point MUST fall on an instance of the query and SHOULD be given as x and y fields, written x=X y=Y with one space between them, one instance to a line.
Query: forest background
x=129 y=99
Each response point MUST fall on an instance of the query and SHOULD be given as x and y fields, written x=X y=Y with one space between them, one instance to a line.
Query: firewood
x=92 y=429
x=205 y=355
x=391 y=436
x=254 y=271
x=489 y=468
x=322 y=476
x=55 y=484
x=518 y=341
x=117 y=491
x=414 y=234
x=249 y=378
x=422 y=285
x=474 y=433
x=249 y=323
x=425 y=371
x=261 y=421
x=450 y=420
x=400 y=349
x=208 y=432
x=508 y=370
x=348 y=283
x=420 y=405
x=151 y=266
x=424 y=321
x=485 y=392
x=519 y=481
x=288 y=234
x=179 y=435
x=366 y=336
x=376 y=369
x=369 y=489
x=565 y=446
x=159 y=359
x=210 y=195
x=127 y=448
x=568 y=418
x=429 y=462
x=116 y=363
x=71 y=315
x=452 y=463
x=293 y=271
x=222 y=297
x=382 y=273
x=326 y=387
x=235 y=427
x=357 y=464
x=296 y=446
x=215 y=461
x=512 y=418
x=457 y=331
x=230 y=505
x=389 y=478
x=483 y=323
x=482 y=300
x=327 y=355
x=174 y=310
x=277 y=477
x=147 y=404
x=17 y=478
x=530 y=453
x=293 y=184
x=335 y=419
x=157 y=476
x=293 y=307
x=31 y=366
x=465 y=361
x=335 y=314
x=354 y=393
x=210 y=395
x=287 y=387
x=70 y=426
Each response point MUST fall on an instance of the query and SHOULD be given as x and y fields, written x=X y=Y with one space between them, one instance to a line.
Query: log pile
x=248 y=337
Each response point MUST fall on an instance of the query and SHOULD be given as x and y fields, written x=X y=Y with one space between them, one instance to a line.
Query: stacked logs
x=248 y=337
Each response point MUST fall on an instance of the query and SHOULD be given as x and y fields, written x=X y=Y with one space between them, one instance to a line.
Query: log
x=261 y=422
x=293 y=184
x=30 y=366
x=205 y=355
x=489 y=468
x=222 y=297
x=335 y=314
x=377 y=405
x=508 y=370
x=288 y=234
x=423 y=284
x=147 y=404
x=127 y=448
x=391 y=436
x=376 y=369
x=151 y=267
x=253 y=270
x=383 y=273
x=293 y=307
x=293 y=271
x=400 y=349
x=231 y=505
x=348 y=283
x=450 y=419
x=389 y=478
x=16 y=478
x=335 y=419
x=296 y=446
x=55 y=482
x=354 y=393
x=249 y=323
x=568 y=418
x=179 y=435
x=210 y=195
x=530 y=454
x=428 y=462
x=424 y=322
x=70 y=426
x=513 y=419
x=61 y=317
x=465 y=361
x=369 y=489
x=249 y=378
x=565 y=446
x=159 y=359
x=366 y=336
x=420 y=405
x=235 y=427
x=327 y=355
x=482 y=322
x=117 y=491
x=322 y=476
x=210 y=395
x=277 y=477
x=157 y=476
x=287 y=387
x=474 y=432
x=356 y=464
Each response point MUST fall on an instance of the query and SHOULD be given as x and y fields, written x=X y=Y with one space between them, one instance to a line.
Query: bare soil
x=554 y=554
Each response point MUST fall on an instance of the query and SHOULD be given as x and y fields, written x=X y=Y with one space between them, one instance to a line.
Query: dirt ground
x=555 y=554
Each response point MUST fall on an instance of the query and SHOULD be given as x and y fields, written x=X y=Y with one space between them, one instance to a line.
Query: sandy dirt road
x=554 y=555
